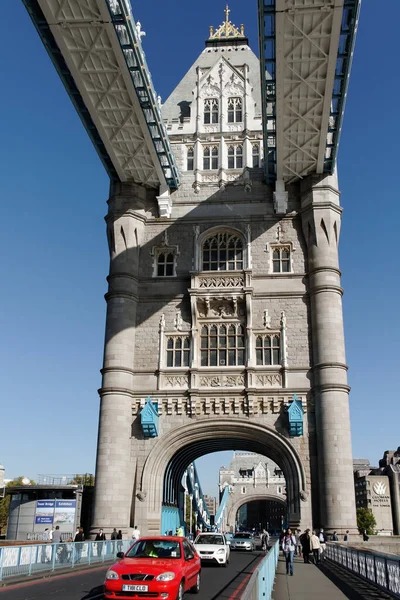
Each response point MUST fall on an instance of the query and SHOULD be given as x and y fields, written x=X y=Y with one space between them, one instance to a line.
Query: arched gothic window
x=210 y=158
x=268 y=350
x=190 y=159
x=235 y=110
x=178 y=351
x=256 y=154
x=222 y=345
x=223 y=252
x=211 y=111
x=165 y=263
x=235 y=157
x=281 y=259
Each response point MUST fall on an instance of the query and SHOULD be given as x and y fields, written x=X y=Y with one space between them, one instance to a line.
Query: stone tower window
x=256 y=155
x=268 y=350
x=235 y=110
x=190 y=159
x=222 y=345
x=235 y=157
x=210 y=158
x=178 y=351
x=223 y=252
x=165 y=263
x=211 y=111
x=281 y=259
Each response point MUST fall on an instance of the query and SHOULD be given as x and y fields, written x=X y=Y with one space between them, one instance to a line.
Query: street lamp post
x=191 y=513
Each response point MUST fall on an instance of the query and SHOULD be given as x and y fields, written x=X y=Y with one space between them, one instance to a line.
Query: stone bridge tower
x=222 y=314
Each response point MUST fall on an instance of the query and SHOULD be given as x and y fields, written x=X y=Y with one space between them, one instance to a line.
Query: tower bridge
x=224 y=317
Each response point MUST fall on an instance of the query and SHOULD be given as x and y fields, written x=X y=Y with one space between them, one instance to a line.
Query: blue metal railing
x=199 y=503
x=37 y=558
x=379 y=569
x=262 y=580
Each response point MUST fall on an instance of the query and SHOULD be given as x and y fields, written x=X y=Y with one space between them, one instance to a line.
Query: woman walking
x=288 y=547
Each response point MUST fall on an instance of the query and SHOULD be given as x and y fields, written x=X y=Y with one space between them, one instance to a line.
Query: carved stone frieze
x=268 y=380
x=222 y=381
x=233 y=405
x=229 y=281
x=220 y=308
x=176 y=381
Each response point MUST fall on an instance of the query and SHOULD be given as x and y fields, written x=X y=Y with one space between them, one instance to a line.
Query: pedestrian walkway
x=308 y=583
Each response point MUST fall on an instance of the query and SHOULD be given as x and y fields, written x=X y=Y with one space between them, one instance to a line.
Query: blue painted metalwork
x=295 y=415
x=149 y=418
x=266 y=25
x=222 y=507
x=261 y=582
x=170 y=519
x=43 y=29
x=199 y=504
x=348 y=31
x=131 y=46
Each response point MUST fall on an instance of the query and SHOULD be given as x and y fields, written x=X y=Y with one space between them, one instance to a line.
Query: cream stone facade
x=221 y=310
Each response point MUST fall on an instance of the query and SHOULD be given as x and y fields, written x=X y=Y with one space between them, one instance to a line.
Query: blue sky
x=55 y=261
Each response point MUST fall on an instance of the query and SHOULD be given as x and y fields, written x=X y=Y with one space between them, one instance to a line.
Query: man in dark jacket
x=78 y=539
x=305 y=541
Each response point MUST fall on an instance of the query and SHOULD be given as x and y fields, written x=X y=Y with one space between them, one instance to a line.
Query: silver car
x=243 y=541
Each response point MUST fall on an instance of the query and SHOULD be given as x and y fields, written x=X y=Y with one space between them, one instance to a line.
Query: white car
x=213 y=547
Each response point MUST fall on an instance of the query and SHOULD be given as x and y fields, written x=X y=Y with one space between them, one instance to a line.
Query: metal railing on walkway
x=31 y=559
x=382 y=570
x=261 y=582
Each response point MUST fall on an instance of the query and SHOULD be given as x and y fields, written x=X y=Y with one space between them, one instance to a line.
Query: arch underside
x=232 y=511
x=176 y=450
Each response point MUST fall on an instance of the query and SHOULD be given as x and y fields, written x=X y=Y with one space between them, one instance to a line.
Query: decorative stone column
x=321 y=216
x=115 y=468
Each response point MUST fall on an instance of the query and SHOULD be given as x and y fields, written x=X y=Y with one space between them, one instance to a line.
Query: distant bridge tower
x=224 y=315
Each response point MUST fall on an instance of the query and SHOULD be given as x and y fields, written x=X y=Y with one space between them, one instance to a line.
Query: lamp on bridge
x=149 y=418
x=295 y=415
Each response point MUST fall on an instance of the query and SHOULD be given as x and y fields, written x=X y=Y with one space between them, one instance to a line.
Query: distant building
x=211 y=503
x=373 y=491
x=257 y=492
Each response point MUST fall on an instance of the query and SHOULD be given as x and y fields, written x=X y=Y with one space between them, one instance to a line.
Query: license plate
x=206 y=556
x=135 y=588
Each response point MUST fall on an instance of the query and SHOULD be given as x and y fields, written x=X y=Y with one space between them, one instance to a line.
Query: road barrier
x=261 y=582
x=382 y=570
x=31 y=559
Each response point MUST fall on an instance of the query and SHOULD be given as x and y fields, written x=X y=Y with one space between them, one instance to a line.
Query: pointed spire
x=227 y=29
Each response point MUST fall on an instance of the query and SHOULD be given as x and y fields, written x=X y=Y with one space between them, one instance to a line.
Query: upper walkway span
x=306 y=50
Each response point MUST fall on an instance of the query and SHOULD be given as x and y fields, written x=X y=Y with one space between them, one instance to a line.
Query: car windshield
x=217 y=540
x=243 y=536
x=155 y=549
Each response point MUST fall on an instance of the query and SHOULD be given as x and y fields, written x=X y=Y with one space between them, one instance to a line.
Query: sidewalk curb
x=58 y=573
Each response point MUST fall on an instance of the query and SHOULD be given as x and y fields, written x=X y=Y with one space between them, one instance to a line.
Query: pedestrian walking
x=334 y=537
x=264 y=540
x=315 y=547
x=119 y=541
x=346 y=536
x=305 y=541
x=365 y=536
x=288 y=547
x=78 y=539
x=298 y=543
x=322 y=540
x=136 y=533
x=100 y=539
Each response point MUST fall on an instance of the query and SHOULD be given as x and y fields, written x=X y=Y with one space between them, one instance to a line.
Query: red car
x=155 y=567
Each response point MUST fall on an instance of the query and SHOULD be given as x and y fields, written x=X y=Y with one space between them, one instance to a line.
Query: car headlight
x=167 y=576
x=221 y=551
x=112 y=574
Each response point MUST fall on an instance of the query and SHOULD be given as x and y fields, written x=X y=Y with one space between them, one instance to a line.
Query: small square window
x=165 y=263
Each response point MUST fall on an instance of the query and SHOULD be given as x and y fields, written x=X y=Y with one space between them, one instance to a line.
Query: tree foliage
x=366 y=521
x=5 y=503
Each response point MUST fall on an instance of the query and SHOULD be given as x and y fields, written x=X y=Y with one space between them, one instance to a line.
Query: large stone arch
x=231 y=516
x=176 y=449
